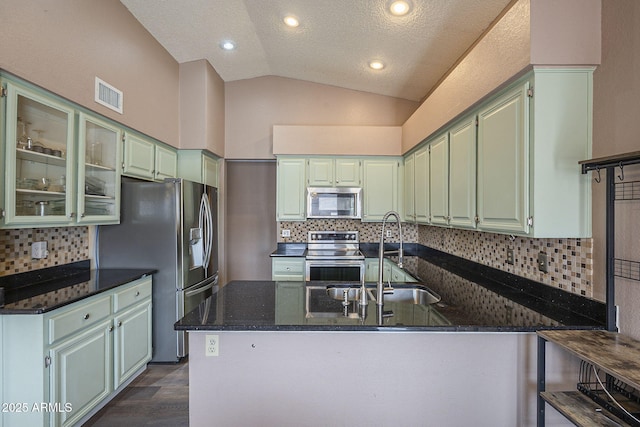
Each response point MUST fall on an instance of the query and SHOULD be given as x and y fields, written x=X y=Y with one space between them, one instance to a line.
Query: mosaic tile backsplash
x=570 y=261
x=65 y=245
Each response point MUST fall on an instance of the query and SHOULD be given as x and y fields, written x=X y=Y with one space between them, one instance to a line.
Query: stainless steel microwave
x=334 y=202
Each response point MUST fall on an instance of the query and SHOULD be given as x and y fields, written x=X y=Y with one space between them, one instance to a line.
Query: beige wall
x=253 y=106
x=615 y=130
x=62 y=45
x=201 y=107
x=337 y=140
x=532 y=32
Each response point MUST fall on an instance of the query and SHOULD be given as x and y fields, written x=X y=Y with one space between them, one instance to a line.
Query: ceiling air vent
x=108 y=95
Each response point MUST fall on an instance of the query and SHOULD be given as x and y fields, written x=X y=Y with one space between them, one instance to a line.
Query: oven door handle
x=201 y=287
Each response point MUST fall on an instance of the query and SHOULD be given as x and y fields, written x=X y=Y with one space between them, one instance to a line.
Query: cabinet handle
x=72 y=214
x=137 y=293
x=120 y=323
x=86 y=316
x=111 y=328
x=288 y=269
x=82 y=215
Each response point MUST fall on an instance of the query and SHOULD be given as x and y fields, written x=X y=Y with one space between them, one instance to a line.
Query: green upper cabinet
x=198 y=166
x=39 y=158
x=462 y=173
x=530 y=139
x=147 y=159
x=291 y=189
x=99 y=154
x=333 y=172
x=381 y=187
x=348 y=172
x=409 y=188
x=503 y=163
x=421 y=191
x=511 y=166
x=439 y=179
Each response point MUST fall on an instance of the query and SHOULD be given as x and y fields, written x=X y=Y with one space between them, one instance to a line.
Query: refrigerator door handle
x=206 y=222
x=201 y=287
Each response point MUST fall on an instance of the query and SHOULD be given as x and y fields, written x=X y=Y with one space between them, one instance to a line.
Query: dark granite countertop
x=305 y=306
x=40 y=291
x=290 y=250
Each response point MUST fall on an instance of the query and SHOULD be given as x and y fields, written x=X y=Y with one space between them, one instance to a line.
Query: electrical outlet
x=510 y=256
x=542 y=262
x=39 y=250
x=286 y=233
x=212 y=345
x=388 y=233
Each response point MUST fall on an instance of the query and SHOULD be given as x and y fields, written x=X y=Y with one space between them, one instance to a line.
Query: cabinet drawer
x=288 y=266
x=132 y=295
x=80 y=316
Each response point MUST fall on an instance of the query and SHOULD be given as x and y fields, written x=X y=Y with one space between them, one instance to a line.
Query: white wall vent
x=108 y=95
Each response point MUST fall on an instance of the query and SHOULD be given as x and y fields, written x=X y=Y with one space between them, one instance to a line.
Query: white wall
x=371 y=379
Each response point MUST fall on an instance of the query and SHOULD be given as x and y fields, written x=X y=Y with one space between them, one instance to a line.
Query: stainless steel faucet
x=380 y=290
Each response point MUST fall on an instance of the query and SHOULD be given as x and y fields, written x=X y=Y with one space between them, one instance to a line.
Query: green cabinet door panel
x=81 y=372
x=462 y=174
x=409 y=188
x=166 y=163
x=422 y=186
x=348 y=172
x=291 y=189
x=439 y=176
x=320 y=172
x=380 y=191
x=503 y=161
x=139 y=157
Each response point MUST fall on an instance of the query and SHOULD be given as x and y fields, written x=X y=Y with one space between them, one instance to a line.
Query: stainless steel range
x=334 y=256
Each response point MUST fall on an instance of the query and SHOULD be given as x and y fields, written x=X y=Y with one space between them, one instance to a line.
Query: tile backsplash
x=570 y=261
x=65 y=245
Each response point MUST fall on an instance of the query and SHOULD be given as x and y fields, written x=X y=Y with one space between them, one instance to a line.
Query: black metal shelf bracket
x=615 y=192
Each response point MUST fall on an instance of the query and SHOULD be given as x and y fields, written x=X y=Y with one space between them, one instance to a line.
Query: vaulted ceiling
x=333 y=44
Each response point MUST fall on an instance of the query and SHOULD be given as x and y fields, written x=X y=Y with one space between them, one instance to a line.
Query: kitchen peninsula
x=292 y=353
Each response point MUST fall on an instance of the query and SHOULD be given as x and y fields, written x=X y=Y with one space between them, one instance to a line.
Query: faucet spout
x=380 y=286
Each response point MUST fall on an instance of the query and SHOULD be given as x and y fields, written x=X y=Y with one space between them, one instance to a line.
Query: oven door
x=331 y=270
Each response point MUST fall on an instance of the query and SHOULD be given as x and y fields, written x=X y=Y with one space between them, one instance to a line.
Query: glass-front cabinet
x=39 y=159
x=61 y=166
x=99 y=145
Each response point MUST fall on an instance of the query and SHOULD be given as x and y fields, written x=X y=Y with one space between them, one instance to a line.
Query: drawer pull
x=137 y=293
x=119 y=324
x=111 y=328
x=86 y=316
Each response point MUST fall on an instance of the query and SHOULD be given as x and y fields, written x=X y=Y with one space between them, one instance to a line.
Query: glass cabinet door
x=39 y=159
x=98 y=171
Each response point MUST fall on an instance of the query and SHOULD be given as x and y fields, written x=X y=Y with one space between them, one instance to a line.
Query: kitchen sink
x=408 y=294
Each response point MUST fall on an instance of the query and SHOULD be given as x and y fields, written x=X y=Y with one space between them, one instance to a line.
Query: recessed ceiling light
x=376 y=65
x=228 y=45
x=399 y=7
x=291 y=21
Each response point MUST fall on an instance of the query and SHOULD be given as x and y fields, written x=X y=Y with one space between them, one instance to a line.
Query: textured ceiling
x=333 y=44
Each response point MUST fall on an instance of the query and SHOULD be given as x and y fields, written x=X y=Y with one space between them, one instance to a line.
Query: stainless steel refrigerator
x=169 y=226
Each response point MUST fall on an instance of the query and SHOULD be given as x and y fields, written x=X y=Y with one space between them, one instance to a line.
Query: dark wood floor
x=158 y=397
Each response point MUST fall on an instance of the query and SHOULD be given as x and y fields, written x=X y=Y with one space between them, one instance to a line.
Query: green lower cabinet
x=290 y=303
x=62 y=364
x=288 y=269
x=132 y=342
x=390 y=272
x=81 y=374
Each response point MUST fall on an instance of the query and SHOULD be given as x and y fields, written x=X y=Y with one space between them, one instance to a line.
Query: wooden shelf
x=613 y=353
x=581 y=410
